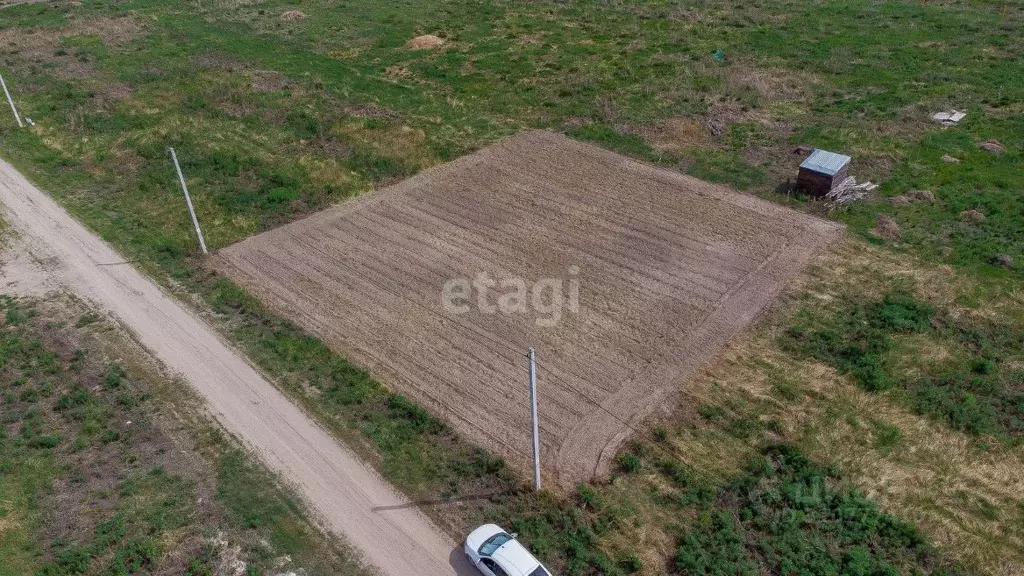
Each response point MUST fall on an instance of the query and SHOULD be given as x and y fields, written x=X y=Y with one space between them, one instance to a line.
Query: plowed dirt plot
x=668 y=269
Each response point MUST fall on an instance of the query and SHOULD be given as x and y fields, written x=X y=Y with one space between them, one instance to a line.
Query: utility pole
x=188 y=200
x=532 y=355
x=11 y=102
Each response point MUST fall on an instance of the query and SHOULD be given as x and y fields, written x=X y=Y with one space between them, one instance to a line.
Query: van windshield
x=493 y=543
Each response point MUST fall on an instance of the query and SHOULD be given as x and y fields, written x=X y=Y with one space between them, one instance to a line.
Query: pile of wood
x=848 y=191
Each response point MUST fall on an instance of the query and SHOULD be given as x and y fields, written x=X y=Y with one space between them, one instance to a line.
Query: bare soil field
x=668 y=269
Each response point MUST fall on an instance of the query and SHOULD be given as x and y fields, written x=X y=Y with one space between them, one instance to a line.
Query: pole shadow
x=443 y=501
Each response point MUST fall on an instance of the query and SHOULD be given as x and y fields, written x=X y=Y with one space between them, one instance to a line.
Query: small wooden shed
x=821 y=172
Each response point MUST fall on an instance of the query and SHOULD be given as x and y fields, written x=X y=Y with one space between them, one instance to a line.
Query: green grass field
x=273 y=119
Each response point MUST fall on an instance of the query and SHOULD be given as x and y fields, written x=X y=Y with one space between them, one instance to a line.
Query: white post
x=533 y=405
x=188 y=200
x=11 y=102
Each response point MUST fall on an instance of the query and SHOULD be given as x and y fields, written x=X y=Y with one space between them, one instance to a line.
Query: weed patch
x=93 y=484
x=977 y=391
x=785 y=515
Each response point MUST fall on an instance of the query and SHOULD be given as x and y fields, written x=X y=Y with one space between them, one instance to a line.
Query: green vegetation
x=273 y=119
x=862 y=336
x=976 y=389
x=91 y=481
x=779 y=514
x=787 y=516
x=321 y=108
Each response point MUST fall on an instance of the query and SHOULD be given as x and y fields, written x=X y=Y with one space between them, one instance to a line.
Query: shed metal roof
x=824 y=162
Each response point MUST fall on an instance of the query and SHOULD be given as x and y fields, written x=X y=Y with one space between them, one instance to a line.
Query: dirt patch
x=532 y=39
x=402 y=144
x=115 y=92
x=972 y=216
x=1003 y=260
x=886 y=227
x=113 y=31
x=921 y=196
x=371 y=111
x=676 y=134
x=45 y=41
x=397 y=72
x=268 y=81
x=912 y=196
x=669 y=268
x=772 y=86
x=576 y=122
x=425 y=42
x=992 y=146
x=9 y=3
x=721 y=115
x=41 y=52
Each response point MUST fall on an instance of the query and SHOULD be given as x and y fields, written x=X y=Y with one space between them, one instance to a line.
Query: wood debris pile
x=848 y=191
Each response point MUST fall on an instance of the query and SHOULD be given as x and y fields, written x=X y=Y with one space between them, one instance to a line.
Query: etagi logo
x=548 y=297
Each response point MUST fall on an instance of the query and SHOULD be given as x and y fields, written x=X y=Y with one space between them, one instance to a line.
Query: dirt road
x=352 y=499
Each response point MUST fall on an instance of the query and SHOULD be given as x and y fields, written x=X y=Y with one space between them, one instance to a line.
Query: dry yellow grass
x=398 y=142
x=425 y=42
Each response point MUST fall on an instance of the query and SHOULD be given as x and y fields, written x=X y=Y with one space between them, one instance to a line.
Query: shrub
x=902 y=313
x=632 y=564
x=113 y=376
x=785 y=515
x=79 y=396
x=950 y=400
x=716 y=548
x=588 y=496
x=134 y=556
x=75 y=560
x=627 y=462
x=45 y=441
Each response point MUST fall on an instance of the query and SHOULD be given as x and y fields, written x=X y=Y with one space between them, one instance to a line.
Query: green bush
x=631 y=564
x=113 y=376
x=133 y=557
x=854 y=341
x=45 y=441
x=715 y=547
x=75 y=560
x=627 y=462
x=951 y=399
x=785 y=515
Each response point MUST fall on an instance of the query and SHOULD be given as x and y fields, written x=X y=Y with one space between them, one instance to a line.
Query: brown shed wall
x=818 y=184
